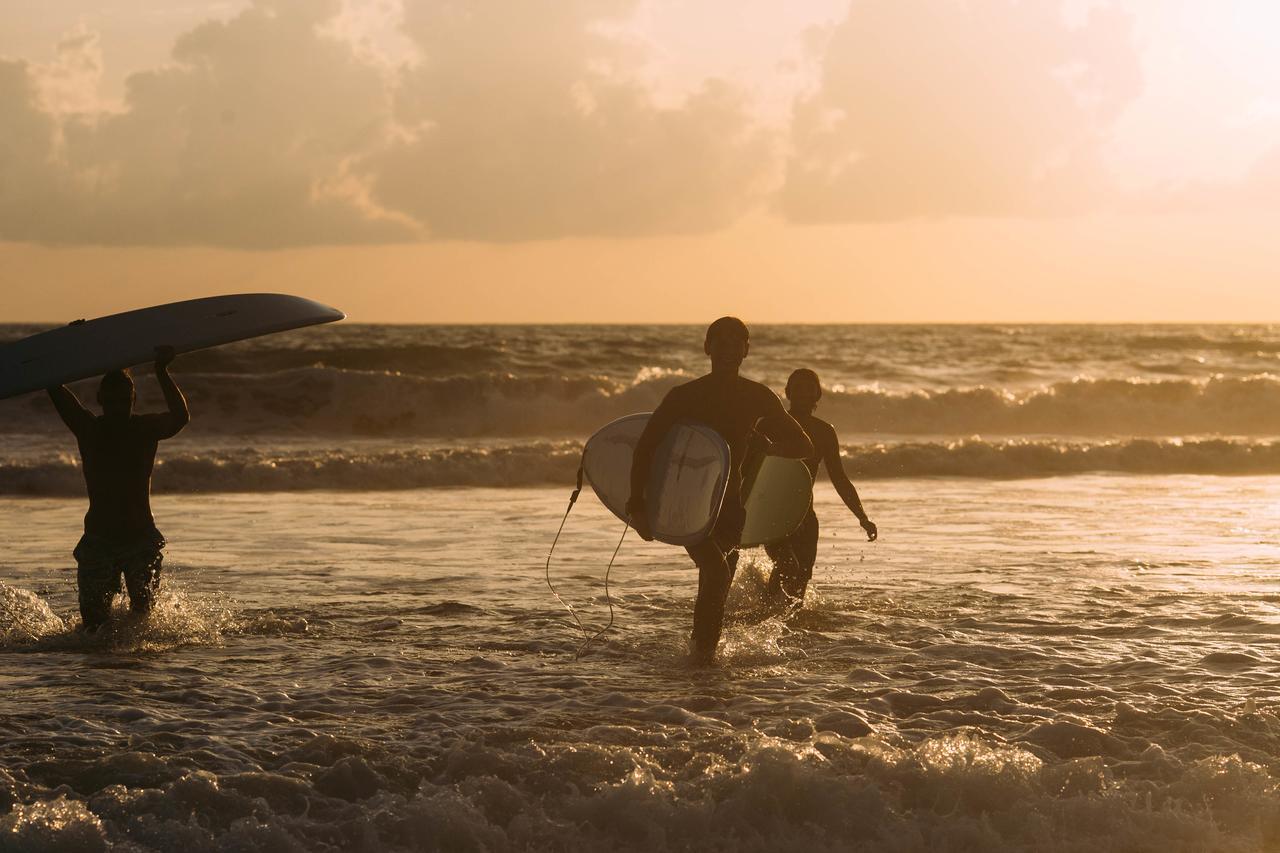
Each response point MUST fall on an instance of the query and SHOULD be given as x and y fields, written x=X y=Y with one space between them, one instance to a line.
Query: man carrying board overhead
x=731 y=405
x=117 y=452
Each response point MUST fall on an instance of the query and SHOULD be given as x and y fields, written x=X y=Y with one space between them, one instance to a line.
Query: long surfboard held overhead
x=88 y=348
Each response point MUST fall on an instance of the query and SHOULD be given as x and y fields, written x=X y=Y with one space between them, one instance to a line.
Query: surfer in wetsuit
x=733 y=406
x=793 y=557
x=117 y=452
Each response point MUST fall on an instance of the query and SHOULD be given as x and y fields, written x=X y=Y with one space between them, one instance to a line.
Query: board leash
x=573 y=499
x=607 y=597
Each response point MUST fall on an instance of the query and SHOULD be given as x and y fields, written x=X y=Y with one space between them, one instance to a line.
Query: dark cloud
x=934 y=108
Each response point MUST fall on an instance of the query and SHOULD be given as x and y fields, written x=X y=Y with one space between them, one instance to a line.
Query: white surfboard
x=88 y=348
x=686 y=487
x=777 y=500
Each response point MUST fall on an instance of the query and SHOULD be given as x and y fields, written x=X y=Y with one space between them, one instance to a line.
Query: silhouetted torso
x=823 y=436
x=731 y=406
x=118 y=455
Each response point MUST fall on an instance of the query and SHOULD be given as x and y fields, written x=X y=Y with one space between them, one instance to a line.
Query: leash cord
x=607 y=597
x=573 y=498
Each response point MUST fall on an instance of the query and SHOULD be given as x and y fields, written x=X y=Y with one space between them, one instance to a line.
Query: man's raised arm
x=70 y=409
x=178 y=415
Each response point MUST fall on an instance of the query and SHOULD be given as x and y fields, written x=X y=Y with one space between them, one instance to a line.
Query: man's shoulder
x=83 y=427
x=681 y=391
x=824 y=430
x=819 y=424
x=758 y=391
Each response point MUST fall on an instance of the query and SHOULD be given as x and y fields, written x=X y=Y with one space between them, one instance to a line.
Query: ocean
x=1065 y=638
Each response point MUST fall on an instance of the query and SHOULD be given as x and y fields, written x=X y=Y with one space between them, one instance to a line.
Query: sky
x=645 y=160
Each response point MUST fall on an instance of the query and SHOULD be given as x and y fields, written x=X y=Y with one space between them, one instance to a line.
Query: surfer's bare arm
x=70 y=409
x=170 y=423
x=787 y=437
x=830 y=448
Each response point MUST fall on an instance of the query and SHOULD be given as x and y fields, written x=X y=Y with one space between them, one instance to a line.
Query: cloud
x=27 y=138
x=244 y=140
x=278 y=127
x=936 y=108
x=526 y=123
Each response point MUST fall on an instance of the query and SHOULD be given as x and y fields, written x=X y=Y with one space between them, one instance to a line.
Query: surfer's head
x=803 y=389
x=727 y=342
x=116 y=393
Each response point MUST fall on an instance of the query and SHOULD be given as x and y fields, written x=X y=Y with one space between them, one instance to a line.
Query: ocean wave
x=1221 y=405
x=1020 y=458
x=1232 y=342
x=414 y=359
x=327 y=401
x=254 y=470
x=555 y=463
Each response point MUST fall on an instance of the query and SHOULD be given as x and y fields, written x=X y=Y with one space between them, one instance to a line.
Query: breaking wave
x=555 y=463
x=340 y=402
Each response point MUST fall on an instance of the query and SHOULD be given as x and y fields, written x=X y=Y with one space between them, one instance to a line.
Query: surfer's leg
x=727 y=534
x=142 y=577
x=98 y=585
x=713 y=588
x=783 y=557
x=142 y=572
x=793 y=560
x=805 y=547
x=97 y=581
x=97 y=588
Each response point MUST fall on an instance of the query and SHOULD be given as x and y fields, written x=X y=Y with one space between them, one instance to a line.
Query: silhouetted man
x=793 y=557
x=117 y=452
x=733 y=406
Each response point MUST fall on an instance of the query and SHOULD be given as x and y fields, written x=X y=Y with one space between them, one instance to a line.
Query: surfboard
x=88 y=348
x=687 y=483
x=777 y=500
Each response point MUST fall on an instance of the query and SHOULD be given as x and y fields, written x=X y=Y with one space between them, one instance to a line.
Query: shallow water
x=1072 y=664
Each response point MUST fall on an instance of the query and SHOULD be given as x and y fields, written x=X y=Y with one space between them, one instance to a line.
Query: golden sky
x=624 y=160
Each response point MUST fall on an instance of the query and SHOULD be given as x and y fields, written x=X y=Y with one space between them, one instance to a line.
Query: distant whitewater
x=376 y=407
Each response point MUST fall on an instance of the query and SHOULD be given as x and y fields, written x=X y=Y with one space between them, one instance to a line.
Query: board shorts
x=102 y=562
